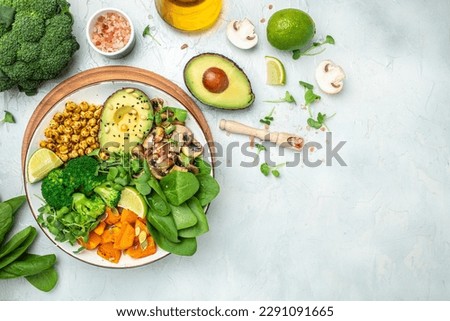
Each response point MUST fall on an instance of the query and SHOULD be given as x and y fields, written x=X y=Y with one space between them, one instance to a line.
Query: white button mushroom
x=242 y=34
x=330 y=77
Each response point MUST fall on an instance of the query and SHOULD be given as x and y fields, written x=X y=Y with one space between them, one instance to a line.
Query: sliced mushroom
x=242 y=34
x=179 y=169
x=182 y=135
x=193 y=169
x=138 y=151
x=192 y=150
x=330 y=77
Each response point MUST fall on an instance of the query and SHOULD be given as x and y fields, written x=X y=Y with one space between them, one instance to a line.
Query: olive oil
x=189 y=15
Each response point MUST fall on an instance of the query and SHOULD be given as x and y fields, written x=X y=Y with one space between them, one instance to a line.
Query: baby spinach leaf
x=16 y=241
x=208 y=190
x=14 y=255
x=164 y=224
x=45 y=280
x=202 y=223
x=31 y=264
x=185 y=247
x=178 y=187
x=6 y=220
x=183 y=216
x=203 y=166
x=159 y=205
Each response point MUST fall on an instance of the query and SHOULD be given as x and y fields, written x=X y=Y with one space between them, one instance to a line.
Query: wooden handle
x=238 y=128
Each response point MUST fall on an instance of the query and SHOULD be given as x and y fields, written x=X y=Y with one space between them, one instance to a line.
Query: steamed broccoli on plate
x=36 y=42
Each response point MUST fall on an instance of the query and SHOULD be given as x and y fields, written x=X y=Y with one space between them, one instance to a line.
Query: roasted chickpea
x=76 y=117
x=82 y=145
x=51 y=146
x=83 y=122
x=68 y=122
x=92 y=108
x=54 y=123
x=48 y=132
x=58 y=117
x=75 y=138
x=84 y=106
x=60 y=129
x=88 y=150
x=68 y=130
x=64 y=158
x=43 y=144
x=70 y=106
x=80 y=152
x=98 y=113
x=95 y=146
x=64 y=139
x=73 y=154
x=92 y=122
x=76 y=125
x=93 y=132
x=67 y=114
x=84 y=132
x=63 y=149
x=90 y=140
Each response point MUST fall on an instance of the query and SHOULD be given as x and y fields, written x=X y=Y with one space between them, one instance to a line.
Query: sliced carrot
x=126 y=238
x=112 y=216
x=108 y=252
x=100 y=228
x=128 y=216
x=138 y=250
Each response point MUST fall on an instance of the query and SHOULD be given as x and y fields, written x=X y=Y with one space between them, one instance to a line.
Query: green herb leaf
x=329 y=39
x=306 y=85
x=146 y=31
x=260 y=147
x=276 y=173
x=321 y=118
x=310 y=97
x=313 y=123
x=265 y=169
x=9 y=118
x=296 y=54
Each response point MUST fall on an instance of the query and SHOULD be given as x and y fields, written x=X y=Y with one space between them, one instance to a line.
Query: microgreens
x=319 y=122
x=9 y=118
x=268 y=119
x=147 y=32
x=266 y=169
x=310 y=96
x=260 y=147
x=296 y=54
x=288 y=98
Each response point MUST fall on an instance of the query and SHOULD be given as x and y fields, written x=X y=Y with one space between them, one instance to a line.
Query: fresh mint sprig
x=147 y=32
x=296 y=54
x=260 y=148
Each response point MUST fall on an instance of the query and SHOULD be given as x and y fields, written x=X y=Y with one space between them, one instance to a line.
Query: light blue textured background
x=378 y=229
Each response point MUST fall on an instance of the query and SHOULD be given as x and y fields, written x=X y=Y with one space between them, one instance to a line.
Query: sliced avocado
x=217 y=81
x=127 y=118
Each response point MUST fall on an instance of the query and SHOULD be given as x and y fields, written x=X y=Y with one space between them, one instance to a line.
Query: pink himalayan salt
x=111 y=32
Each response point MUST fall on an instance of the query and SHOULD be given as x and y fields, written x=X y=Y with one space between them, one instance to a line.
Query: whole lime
x=290 y=29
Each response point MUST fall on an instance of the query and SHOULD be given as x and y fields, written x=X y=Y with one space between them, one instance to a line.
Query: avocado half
x=127 y=117
x=217 y=81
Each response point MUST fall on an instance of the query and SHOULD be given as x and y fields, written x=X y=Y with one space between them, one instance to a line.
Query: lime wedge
x=132 y=200
x=42 y=162
x=276 y=74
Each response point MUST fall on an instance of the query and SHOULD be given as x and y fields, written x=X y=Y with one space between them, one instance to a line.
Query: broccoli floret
x=92 y=182
x=28 y=27
x=81 y=170
x=56 y=190
x=40 y=36
x=90 y=207
x=109 y=193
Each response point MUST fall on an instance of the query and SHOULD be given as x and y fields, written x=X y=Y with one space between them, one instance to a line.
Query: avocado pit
x=215 y=80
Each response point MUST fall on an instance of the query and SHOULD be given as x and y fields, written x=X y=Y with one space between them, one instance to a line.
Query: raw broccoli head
x=56 y=190
x=81 y=170
x=109 y=193
x=88 y=207
x=38 y=34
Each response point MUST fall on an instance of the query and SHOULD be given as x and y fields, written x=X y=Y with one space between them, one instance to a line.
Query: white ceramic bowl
x=116 y=54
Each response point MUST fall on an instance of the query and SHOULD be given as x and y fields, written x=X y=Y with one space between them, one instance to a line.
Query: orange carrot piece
x=93 y=241
x=126 y=238
x=108 y=252
x=111 y=216
x=137 y=251
x=100 y=228
x=128 y=216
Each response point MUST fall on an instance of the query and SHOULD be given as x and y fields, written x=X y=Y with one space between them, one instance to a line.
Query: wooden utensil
x=285 y=140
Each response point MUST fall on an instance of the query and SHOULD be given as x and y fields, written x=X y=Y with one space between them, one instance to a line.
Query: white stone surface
x=378 y=229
